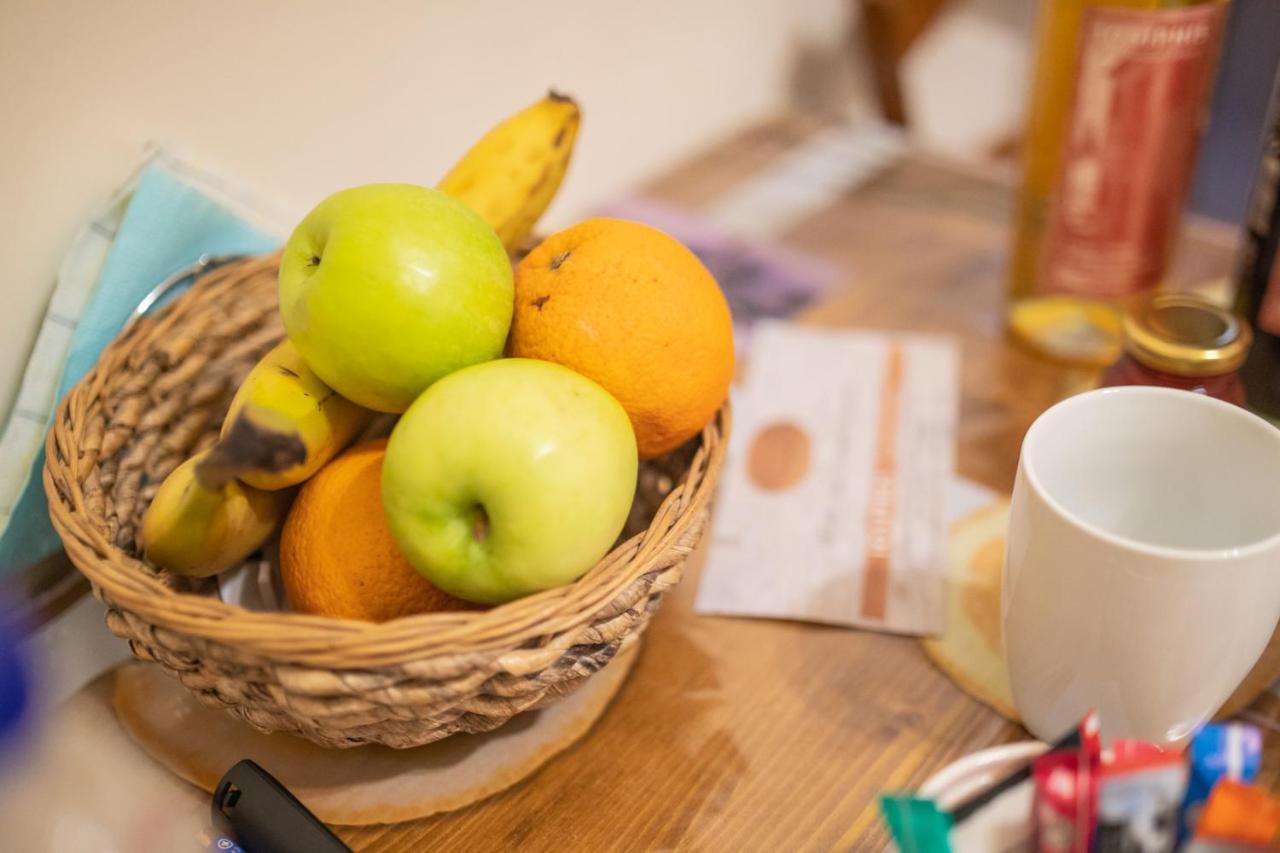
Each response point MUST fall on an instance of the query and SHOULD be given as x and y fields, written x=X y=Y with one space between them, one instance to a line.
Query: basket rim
x=127 y=583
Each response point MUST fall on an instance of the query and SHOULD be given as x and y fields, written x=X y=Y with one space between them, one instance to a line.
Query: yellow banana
x=283 y=395
x=203 y=521
x=510 y=176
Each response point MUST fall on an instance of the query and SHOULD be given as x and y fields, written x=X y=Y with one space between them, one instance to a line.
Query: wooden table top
x=738 y=734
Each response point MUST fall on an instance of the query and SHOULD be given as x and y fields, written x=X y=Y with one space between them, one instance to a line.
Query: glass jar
x=1176 y=340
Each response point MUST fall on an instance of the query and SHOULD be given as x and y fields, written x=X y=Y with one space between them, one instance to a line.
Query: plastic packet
x=1239 y=813
x=1126 y=752
x=1230 y=751
x=1065 y=801
x=918 y=825
x=1065 y=779
x=1140 y=794
x=922 y=825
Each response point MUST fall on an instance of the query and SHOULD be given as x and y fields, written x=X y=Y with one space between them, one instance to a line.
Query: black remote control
x=251 y=807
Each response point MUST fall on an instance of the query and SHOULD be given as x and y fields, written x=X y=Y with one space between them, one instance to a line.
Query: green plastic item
x=917 y=824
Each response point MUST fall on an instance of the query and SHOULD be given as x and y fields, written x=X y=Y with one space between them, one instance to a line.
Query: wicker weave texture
x=159 y=393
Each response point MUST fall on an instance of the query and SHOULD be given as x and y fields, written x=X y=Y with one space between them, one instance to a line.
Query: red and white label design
x=1142 y=83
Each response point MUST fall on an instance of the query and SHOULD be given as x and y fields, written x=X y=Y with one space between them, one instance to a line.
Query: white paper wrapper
x=833 y=503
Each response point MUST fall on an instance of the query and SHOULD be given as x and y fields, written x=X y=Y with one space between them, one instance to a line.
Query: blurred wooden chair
x=891 y=28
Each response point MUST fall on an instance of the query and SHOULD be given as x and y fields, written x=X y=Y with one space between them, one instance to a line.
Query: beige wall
x=296 y=99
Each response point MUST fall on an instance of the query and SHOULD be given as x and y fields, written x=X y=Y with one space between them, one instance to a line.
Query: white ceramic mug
x=1142 y=575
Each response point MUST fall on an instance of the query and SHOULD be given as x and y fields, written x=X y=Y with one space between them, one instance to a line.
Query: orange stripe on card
x=883 y=498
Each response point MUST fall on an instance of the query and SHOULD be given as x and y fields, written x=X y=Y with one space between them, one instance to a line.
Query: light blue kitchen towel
x=165 y=220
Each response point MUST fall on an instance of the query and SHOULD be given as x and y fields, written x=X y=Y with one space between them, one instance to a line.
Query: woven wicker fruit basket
x=159 y=393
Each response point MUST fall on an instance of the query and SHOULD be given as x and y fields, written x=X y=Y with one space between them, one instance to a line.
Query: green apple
x=509 y=477
x=386 y=288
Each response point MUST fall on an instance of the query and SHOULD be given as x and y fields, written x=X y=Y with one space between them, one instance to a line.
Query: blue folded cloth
x=170 y=221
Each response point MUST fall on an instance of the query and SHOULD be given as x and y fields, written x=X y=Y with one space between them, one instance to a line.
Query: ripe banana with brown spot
x=511 y=175
x=202 y=520
x=284 y=396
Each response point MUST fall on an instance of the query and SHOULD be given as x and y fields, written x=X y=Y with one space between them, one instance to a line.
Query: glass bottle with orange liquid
x=1119 y=100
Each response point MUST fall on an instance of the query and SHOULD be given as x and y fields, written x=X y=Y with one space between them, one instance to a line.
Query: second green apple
x=508 y=478
x=386 y=288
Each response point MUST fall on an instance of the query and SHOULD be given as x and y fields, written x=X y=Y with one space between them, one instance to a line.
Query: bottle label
x=1142 y=82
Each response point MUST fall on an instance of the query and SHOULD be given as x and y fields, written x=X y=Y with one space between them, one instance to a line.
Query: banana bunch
x=510 y=176
x=219 y=507
x=284 y=422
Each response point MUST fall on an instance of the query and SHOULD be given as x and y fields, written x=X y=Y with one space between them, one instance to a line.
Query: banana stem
x=249 y=446
x=215 y=470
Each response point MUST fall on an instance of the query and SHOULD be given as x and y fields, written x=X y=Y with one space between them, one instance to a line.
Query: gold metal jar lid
x=1186 y=335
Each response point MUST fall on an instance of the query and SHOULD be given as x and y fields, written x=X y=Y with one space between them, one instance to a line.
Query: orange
x=632 y=308
x=337 y=557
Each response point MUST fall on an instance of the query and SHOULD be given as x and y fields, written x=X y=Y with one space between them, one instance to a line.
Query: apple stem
x=480 y=525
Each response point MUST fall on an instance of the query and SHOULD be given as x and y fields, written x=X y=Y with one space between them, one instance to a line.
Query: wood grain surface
x=736 y=734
